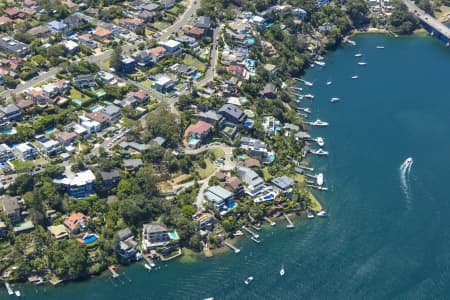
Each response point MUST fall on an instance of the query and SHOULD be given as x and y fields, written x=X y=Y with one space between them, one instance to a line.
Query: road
x=209 y=75
x=192 y=7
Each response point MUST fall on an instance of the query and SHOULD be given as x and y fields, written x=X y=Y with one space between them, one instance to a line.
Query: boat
x=319 y=63
x=309 y=96
x=8 y=287
x=309 y=215
x=322 y=213
x=256 y=240
x=319 y=179
x=318 y=123
x=335 y=99
x=148 y=267
x=329 y=82
x=282 y=270
x=409 y=161
x=152 y=264
x=355 y=77
x=209 y=298
x=380 y=47
x=307 y=83
x=362 y=63
x=358 y=55
x=304 y=109
x=17 y=293
x=248 y=280
x=320 y=141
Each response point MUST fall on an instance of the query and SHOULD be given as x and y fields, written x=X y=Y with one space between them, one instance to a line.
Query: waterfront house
x=76 y=223
x=6 y=153
x=58 y=232
x=254 y=184
x=234 y=185
x=284 y=185
x=127 y=247
x=154 y=235
x=25 y=151
x=206 y=220
x=11 y=208
x=221 y=198
x=79 y=186
x=232 y=113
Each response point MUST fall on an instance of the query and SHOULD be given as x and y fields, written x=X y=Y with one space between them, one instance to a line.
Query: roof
x=171 y=44
x=109 y=175
x=96 y=116
x=58 y=230
x=134 y=21
x=252 y=163
x=141 y=94
x=10 y=109
x=209 y=115
x=10 y=204
x=102 y=32
x=232 y=110
x=199 y=128
x=74 y=219
x=270 y=88
x=157 y=51
x=124 y=234
x=233 y=182
x=202 y=22
x=11 y=11
x=163 y=80
x=23 y=147
x=70 y=45
x=159 y=140
x=4 y=20
x=57 y=25
x=196 y=31
x=65 y=136
x=81 y=178
x=137 y=162
x=283 y=182
x=155 y=227
x=111 y=110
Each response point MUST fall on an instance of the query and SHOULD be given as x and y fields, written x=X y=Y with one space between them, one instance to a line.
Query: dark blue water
x=379 y=242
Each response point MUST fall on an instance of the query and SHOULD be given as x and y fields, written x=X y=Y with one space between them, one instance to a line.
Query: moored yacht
x=380 y=47
x=318 y=123
x=355 y=77
x=148 y=267
x=309 y=215
x=319 y=179
x=309 y=96
x=329 y=82
x=335 y=99
x=362 y=63
x=248 y=280
x=358 y=55
x=282 y=270
x=322 y=213
x=319 y=63
x=320 y=141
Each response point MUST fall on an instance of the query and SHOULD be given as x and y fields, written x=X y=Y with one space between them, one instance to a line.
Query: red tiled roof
x=102 y=32
x=141 y=94
x=96 y=116
x=74 y=219
x=65 y=136
x=12 y=11
x=199 y=128
x=4 y=20
x=157 y=51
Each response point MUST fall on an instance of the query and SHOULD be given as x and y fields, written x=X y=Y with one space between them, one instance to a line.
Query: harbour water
x=379 y=242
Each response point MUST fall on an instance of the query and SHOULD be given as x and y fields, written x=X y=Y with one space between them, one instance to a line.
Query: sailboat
x=282 y=270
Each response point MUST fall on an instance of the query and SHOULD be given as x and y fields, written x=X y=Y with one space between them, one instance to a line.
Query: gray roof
x=138 y=147
x=149 y=7
x=108 y=175
x=202 y=22
x=10 y=204
x=110 y=110
x=10 y=109
x=159 y=140
x=291 y=127
x=137 y=162
x=155 y=227
x=232 y=110
x=284 y=182
x=124 y=234
x=210 y=115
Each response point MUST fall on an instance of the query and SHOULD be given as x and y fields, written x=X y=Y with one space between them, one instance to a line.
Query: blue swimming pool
x=77 y=102
x=197 y=75
x=173 y=235
x=269 y=197
x=89 y=238
x=232 y=205
x=96 y=108
x=9 y=131
x=271 y=157
x=249 y=123
x=251 y=63
x=50 y=131
x=250 y=41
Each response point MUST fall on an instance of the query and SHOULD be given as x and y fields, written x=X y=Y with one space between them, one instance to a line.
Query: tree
x=357 y=10
x=10 y=82
x=114 y=61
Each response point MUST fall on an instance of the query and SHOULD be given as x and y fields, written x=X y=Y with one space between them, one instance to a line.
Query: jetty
x=307 y=83
x=256 y=227
x=317 y=187
x=8 y=287
x=235 y=249
x=112 y=269
x=272 y=223
x=258 y=241
x=290 y=224
x=251 y=218
x=149 y=260
x=305 y=168
x=255 y=235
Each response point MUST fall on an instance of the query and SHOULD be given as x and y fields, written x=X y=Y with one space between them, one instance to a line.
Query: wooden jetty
x=255 y=235
x=290 y=225
x=112 y=268
x=272 y=223
x=235 y=249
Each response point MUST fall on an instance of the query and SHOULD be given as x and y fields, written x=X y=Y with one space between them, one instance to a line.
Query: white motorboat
x=282 y=271
x=358 y=55
x=355 y=77
x=409 y=161
x=318 y=123
x=307 y=83
x=362 y=63
x=319 y=179
x=304 y=109
x=322 y=213
x=320 y=141
x=248 y=280
x=319 y=63
x=148 y=267
x=8 y=288
x=380 y=47
x=329 y=82
x=309 y=215
x=335 y=99
x=309 y=96
x=320 y=152
x=17 y=293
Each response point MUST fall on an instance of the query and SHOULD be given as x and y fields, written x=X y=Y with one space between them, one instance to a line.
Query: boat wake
x=405 y=177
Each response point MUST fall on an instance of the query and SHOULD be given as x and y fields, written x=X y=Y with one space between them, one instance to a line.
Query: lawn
x=210 y=168
x=76 y=94
x=218 y=153
x=147 y=83
x=266 y=174
x=315 y=205
x=193 y=62
x=161 y=25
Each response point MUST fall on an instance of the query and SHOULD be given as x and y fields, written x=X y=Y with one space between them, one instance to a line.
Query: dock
x=255 y=235
x=235 y=249
x=8 y=287
x=112 y=269
x=256 y=227
x=258 y=241
x=290 y=224
x=251 y=218
x=317 y=187
x=272 y=223
x=305 y=168
x=149 y=260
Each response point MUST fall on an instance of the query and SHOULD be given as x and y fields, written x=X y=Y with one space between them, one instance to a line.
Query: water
x=377 y=243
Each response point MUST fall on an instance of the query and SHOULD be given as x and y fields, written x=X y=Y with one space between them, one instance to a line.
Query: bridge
x=435 y=27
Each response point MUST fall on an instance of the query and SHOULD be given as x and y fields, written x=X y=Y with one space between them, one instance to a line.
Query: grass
x=161 y=25
x=147 y=83
x=266 y=174
x=182 y=178
x=189 y=60
x=217 y=152
x=315 y=204
x=210 y=168
x=441 y=11
x=76 y=94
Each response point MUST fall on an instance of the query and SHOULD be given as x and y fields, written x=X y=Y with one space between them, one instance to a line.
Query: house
x=71 y=47
x=172 y=46
x=11 y=208
x=110 y=179
x=238 y=71
x=154 y=235
x=206 y=220
x=196 y=32
x=202 y=22
x=159 y=140
x=149 y=7
x=232 y=113
x=291 y=127
x=197 y=133
x=10 y=45
x=74 y=22
x=86 y=39
x=131 y=23
x=272 y=69
x=269 y=49
x=6 y=153
x=84 y=81
x=24 y=104
x=132 y=164
x=254 y=183
x=25 y=151
x=240 y=27
x=326 y=27
x=183 y=70
x=300 y=13
x=283 y=184
x=102 y=34
x=79 y=186
x=127 y=245
x=143 y=58
x=112 y=112
x=58 y=232
x=5 y=20
x=221 y=198
x=257 y=148
x=142 y=96
x=98 y=117
x=76 y=223
x=11 y=112
x=209 y=116
x=157 y=53
x=48 y=147
x=37 y=95
x=252 y=163
x=127 y=64
x=90 y=126
x=188 y=42
x=320 y=3
x=12 y=12
x=234 y=185
x=270 y=90
x=167 y=3
x=39 y=31
x=163 y=84
x=147 y=16
x=67 y=138
x=57 y=26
